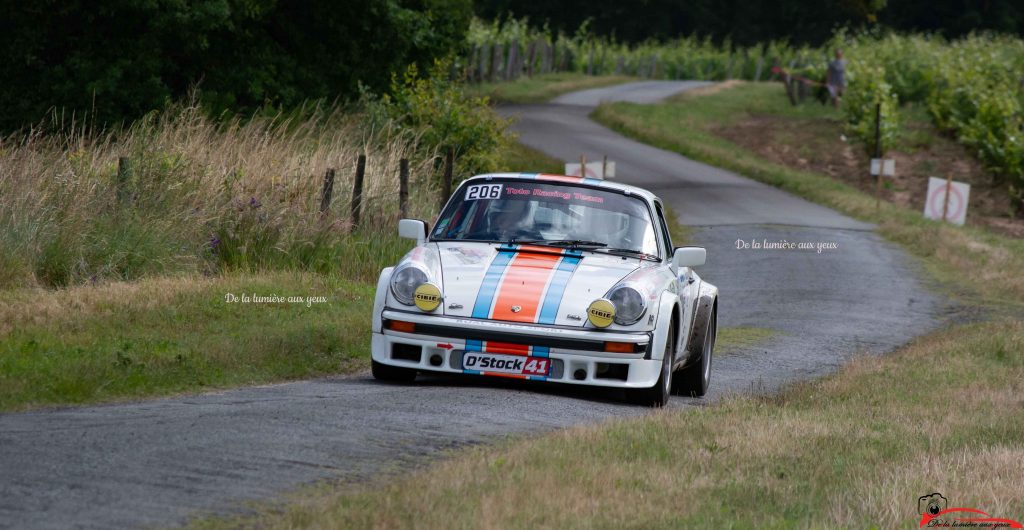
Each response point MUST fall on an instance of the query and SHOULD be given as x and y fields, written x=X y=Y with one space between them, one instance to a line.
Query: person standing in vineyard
x=836 y=79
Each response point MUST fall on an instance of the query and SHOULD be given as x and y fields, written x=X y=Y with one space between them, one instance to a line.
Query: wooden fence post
x=496 y=60
x=531 y=57
x=878 y=155
x=446 y=183
x=474 y=59
x=510 y=61
x=945 y=204
x=788 y=80
x=357 y=190
x=328 y=189
x=124 y=173
x=403 y=186
x=484 y=60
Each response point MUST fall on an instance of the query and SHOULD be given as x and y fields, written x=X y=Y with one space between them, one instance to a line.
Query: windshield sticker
x=483 y=191
x=554 y=194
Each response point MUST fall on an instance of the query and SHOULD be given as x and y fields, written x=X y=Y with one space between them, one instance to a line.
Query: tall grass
x=202 y=196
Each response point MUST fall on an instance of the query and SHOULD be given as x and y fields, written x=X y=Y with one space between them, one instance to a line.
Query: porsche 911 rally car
x=550 y=278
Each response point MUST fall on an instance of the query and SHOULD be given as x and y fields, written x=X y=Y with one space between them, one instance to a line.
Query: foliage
x=866 y=91
x=756 y=21
x=748 y=23
x=973 y=87
x=436 y=110
x=690 y=57
x=116 y=60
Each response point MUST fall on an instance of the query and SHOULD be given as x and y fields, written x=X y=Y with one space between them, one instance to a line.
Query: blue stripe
x=591 y=180
x=485 y=297
x=553 y=299
x=529 y=175
x=540 y=351
x=474 y=345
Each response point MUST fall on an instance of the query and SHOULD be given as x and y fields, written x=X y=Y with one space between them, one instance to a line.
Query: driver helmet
x=508 y=214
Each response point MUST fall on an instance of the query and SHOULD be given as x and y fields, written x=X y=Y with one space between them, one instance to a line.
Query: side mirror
x=413 y=229
x=688 y=257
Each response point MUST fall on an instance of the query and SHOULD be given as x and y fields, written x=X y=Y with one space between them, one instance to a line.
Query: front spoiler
x=442 y=353
x=556 y=337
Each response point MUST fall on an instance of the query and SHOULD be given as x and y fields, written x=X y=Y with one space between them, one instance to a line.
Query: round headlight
x=405 y=281
x=629 y=305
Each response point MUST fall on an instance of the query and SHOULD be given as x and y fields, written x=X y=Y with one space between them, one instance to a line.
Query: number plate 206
x=506 y=364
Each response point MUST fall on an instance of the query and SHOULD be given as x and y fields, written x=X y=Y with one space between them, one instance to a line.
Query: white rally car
x=549 y=278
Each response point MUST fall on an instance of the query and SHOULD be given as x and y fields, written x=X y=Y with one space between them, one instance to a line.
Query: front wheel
x=694 y=379
x=384 y=372
x=657 y=395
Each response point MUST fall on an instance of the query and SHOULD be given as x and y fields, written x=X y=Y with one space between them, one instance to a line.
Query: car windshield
x=556 y=213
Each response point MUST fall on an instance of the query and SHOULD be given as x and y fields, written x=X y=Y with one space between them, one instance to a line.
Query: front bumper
x=577 y=356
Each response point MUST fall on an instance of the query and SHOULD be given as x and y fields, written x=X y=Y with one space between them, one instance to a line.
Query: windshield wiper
x=573 y=243
x=570 y=243
x=631 y=252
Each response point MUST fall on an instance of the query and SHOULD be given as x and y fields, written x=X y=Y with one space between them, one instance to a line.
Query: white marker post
x=947 y=200
x=597 y=170
x=881 y=167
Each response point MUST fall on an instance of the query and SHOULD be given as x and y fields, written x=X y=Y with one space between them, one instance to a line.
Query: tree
x=117 y=59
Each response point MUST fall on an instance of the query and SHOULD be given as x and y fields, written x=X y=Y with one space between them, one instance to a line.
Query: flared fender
x=706 y=299
x=383 y=284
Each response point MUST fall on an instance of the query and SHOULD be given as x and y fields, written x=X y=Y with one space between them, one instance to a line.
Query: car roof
x=590 y=181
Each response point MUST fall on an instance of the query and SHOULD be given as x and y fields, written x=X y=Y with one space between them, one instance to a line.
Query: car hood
x=526 y=283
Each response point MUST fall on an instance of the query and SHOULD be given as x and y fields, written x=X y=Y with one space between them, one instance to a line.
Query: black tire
x=383 y=372
x=658 y=395
x=694 y=379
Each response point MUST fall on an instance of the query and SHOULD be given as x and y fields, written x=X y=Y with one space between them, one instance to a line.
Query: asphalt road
x=159 y=462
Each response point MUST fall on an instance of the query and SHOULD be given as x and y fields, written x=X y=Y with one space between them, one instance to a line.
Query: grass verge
x=541 y=88
x=168 y=335
x=853 y=450
x=991 y=265
x=172 y=335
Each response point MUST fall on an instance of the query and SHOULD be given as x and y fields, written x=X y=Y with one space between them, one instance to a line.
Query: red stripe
x=559 y=178
x=506 y=348
x=510 y=376
x=523 y=287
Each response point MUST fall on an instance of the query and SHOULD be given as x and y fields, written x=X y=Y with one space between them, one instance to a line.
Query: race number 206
x=483 y=191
